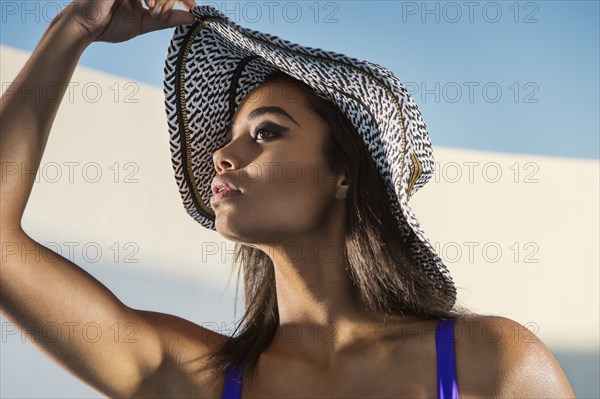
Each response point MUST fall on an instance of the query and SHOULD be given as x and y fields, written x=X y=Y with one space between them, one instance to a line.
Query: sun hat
x=214 y=63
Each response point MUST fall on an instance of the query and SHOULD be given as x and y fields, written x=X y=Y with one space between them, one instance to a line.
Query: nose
x=224 y=159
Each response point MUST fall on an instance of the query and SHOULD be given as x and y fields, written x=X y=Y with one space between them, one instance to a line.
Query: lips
x=226 y=193
x=221 y=184
x=222 y=188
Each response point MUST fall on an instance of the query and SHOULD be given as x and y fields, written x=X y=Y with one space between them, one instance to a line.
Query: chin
x=235 y=231
x=247 y=233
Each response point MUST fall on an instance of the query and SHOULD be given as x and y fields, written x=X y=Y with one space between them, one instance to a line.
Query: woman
x=337 y=305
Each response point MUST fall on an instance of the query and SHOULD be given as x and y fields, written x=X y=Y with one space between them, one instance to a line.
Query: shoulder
x=186 y=348
x=179 y=335
x=497 y=356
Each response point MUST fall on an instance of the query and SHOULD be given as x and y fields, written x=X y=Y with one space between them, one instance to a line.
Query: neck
x=321 y=312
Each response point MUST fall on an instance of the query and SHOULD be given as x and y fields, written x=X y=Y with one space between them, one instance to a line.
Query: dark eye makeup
x=268 y=129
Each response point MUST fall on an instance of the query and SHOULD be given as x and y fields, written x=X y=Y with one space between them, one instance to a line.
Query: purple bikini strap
x=233 y=383
x=446 y=364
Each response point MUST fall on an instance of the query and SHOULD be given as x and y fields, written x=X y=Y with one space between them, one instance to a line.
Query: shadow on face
x=274 y=156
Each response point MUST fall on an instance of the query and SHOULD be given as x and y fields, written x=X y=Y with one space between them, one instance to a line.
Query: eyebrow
x=255 y=113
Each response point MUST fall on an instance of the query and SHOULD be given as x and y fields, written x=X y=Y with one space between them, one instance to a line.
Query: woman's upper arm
x=185 y=370
x=75 y=319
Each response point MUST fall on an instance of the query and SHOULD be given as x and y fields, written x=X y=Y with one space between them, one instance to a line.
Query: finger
x=166 y=10
x=156 y=7
x=187 y=4
x=180 y=17
x=155 y=10
x=176 y=17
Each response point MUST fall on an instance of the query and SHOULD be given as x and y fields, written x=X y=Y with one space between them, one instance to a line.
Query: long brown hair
x=379 y=265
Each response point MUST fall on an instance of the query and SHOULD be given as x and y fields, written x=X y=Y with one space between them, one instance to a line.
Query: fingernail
x=150 y=3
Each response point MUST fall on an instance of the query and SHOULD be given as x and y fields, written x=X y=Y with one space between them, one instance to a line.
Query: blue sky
x=507 y=76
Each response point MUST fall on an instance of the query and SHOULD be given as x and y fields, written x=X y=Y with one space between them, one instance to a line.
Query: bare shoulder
x=185 y=370
x=180 y=337
x=499 y=357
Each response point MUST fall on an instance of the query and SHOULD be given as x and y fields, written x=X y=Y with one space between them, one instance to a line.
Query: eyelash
x=260 y=130
x=269 y=128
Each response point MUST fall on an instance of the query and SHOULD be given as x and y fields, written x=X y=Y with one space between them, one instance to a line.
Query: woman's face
x=274 y=156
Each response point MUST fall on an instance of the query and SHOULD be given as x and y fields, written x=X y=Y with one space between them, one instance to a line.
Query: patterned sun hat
x=213 y=64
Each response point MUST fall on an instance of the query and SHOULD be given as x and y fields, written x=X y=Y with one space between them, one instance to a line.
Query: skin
x=297 y=215
x=341 y=348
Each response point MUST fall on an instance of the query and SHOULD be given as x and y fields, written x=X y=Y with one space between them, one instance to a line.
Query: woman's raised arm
x=37 y=286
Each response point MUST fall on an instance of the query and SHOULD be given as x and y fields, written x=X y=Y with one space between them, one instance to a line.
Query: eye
x=267 y=131
x=259 y=133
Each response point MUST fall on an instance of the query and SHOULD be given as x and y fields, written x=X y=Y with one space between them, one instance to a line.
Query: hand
x=161 y=9
x=121 y=20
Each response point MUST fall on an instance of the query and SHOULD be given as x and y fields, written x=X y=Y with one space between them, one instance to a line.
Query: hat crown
x=363 y=76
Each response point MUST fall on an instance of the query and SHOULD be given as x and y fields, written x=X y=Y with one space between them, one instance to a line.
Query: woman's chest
x=404 y=367
x=391 y=373
x=368 y=384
